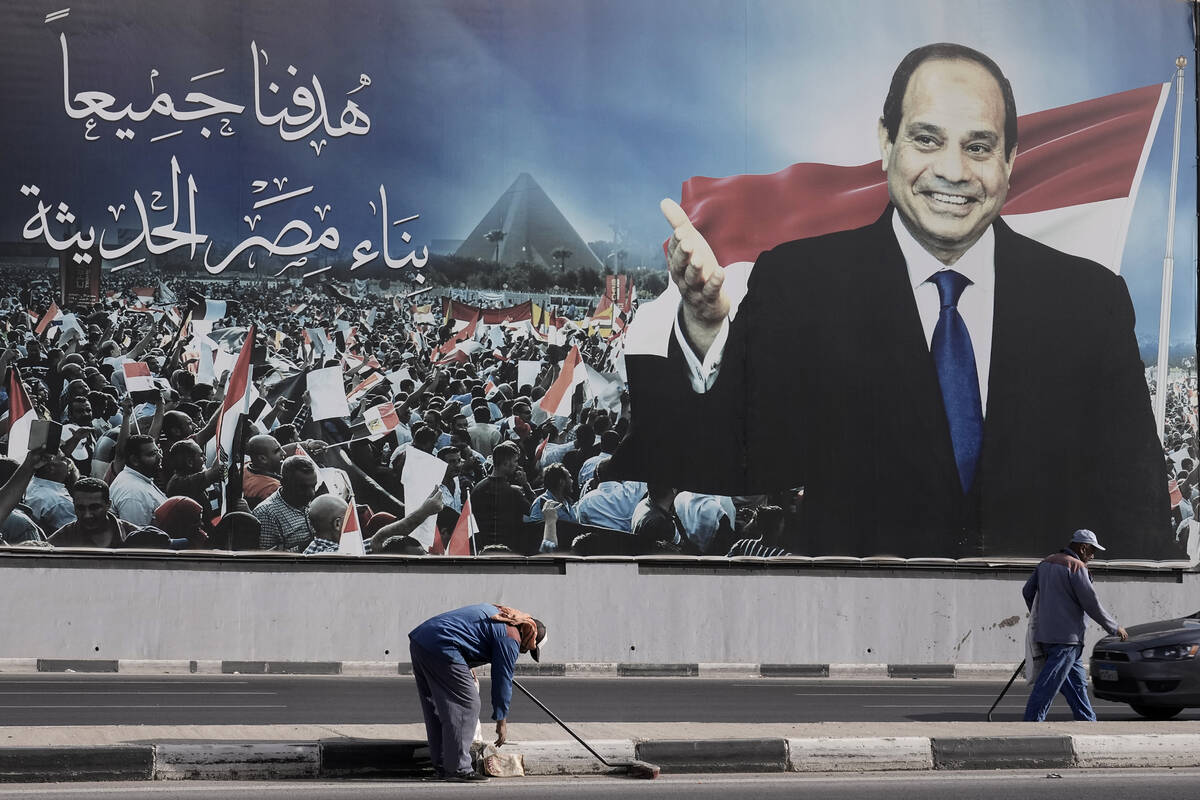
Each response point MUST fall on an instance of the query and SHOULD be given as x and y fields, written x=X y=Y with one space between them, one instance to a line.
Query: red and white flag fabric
x=1075 y=180
x=351 y=543
x=381 y=420
x=1074 y=183
x=466 y=334
x=53 y=315
x=236 y=402
x=137 y=376
x=557 y=400
x=462 y=541
x=20 y=417
x=359 y=391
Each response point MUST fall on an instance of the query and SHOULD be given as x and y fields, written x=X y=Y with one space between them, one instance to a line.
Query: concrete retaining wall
x=338 y=609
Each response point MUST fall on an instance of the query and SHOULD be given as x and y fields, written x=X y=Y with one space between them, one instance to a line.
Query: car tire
x=1156 y=712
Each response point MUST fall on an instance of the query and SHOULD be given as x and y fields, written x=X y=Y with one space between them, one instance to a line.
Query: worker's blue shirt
x=468 y=636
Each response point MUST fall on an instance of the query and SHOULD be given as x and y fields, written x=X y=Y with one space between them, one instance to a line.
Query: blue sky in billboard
x=609 y=104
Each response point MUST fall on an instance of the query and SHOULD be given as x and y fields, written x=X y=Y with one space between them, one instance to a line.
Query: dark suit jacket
x=827 y=383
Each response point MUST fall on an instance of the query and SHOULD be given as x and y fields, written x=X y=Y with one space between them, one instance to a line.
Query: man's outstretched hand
x=695 y=270
x=501 y=732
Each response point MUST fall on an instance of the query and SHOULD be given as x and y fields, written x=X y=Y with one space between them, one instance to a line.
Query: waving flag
x=1075 y=179
x=381 y=420
x=20 y=416
x=462 y=541
x=237 y=402
x=351 y=543
x=52 y=316
x=359 y=391
x=137 y=376
x=1074 y=182
x=557 y=401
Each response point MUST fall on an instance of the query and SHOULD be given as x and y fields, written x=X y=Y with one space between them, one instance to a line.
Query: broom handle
x=1020 y=667
x=554 y=716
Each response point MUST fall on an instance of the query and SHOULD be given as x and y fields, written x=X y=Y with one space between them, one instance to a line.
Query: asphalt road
x=1003 y=785
x=73 y=699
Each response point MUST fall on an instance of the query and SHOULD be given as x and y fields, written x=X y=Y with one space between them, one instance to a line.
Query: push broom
x=635 y=768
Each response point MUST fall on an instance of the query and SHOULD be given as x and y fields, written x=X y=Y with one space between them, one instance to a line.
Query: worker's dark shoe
x=468 y=777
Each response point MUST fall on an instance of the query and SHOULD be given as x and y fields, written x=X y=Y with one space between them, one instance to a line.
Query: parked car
x=1157 y=671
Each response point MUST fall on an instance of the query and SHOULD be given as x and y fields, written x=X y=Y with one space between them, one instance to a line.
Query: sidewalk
x=330 y=751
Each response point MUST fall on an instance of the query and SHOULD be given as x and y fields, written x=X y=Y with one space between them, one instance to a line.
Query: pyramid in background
x=533 y=229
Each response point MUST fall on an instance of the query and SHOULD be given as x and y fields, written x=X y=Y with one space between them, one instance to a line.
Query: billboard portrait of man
x=939 y=385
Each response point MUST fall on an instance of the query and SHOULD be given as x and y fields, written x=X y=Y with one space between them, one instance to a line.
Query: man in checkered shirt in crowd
x=282 y=515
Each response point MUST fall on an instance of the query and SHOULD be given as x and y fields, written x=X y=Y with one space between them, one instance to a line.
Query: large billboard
x=809 y=352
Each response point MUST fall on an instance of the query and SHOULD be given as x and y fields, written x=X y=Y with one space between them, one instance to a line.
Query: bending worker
x=444 y=649
x=1058 y=593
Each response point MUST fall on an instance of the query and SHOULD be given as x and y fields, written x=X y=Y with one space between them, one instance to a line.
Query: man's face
x=147 y=460
x=90 y=510
x=453 y=464
x=81 y=412
x=273 y=458
x=300 y=488
x=947 y=174
x=181 y=427
x=195 y=458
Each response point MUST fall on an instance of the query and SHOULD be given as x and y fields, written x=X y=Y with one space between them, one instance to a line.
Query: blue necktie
x=955 y=360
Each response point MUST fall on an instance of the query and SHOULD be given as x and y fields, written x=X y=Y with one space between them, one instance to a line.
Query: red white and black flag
x=236 y=404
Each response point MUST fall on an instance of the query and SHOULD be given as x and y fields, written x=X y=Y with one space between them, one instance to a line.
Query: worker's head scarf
x=528 y=629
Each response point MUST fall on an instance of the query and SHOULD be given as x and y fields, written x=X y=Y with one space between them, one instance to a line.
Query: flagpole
x=1168 y=270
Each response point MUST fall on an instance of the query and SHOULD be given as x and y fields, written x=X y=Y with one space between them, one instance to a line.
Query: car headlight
x=1171 y=652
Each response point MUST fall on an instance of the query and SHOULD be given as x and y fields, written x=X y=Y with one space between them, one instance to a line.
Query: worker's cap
x=536 y=652
x=1084 y=536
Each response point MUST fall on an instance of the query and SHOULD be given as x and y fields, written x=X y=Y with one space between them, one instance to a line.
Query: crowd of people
x=146 y=469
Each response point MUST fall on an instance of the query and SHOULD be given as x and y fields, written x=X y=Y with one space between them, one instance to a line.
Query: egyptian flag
x=359 y=391
x=446 y=350
x=236 y=403
x=20 y=417
x=351 y=543
x=53 y=316
x=137 y=377
x=206 y=310
x=462 y=541
x=381 y=420
x=1175 y=493
x=1075 y=180
x=1074 y=183
x=557 y=401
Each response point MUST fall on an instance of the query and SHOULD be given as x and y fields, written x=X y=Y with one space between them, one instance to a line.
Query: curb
x=363 y=758
x=1002 y=752
x=717 y=755
x=978 y=672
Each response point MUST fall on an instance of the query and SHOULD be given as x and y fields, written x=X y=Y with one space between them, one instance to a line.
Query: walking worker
x=1058 y=593
x=444 y=649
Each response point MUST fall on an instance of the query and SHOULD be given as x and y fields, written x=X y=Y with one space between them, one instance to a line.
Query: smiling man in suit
x=940 y=385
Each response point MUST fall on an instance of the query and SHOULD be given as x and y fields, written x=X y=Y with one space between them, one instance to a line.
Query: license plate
x=1108 y=674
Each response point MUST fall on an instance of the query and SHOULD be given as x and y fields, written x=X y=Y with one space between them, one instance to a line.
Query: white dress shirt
x=976 y=304
x=134 y=497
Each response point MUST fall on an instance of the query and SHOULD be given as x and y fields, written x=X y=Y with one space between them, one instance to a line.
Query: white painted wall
x=273 y=609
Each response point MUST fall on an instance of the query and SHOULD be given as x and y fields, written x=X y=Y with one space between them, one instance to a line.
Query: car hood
x=1151 y=634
